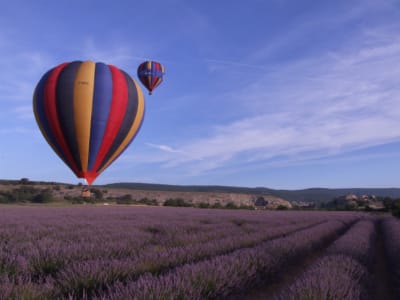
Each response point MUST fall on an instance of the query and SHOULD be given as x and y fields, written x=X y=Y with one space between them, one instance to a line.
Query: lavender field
x=185 y=253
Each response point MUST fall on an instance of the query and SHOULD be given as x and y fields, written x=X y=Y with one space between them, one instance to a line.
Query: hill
x=309 y=195
x=25 y=191
x=148 y=190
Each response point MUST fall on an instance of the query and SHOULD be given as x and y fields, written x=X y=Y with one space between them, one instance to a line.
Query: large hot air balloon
x=89 y=113
x=151 y=74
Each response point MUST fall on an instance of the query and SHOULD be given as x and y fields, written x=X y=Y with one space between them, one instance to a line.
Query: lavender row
x=48 y=252
x=41 y=250
x=50 y=256
x=23 y=232
x=221 y=275
x=92 y=273
x=342 y=273
x=391 y=235
x=358 y=243
x=332 y=277
x=77 y=236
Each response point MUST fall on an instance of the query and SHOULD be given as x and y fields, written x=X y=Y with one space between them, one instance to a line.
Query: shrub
x=148 y=201
x=44 y=197
x=179 y=202
x=78 y=200
x=24 y=181
x=126 y=199
x=203 y=205
x=282 y=207
x=249 y=207
x=98 y=195
x=231 y=205
x=74 y=200
x=25 y=193
x=216 y=205
x=396 y=212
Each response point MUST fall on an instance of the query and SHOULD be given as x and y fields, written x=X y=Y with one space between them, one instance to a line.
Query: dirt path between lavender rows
x=382 y=285
x=269 y=289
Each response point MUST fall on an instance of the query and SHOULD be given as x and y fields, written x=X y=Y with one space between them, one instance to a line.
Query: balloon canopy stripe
x=89 y=113
x=83 y=105
x=52 y=115
x=65 y=109
x=133 y=130
x=41 y=119
x=117 y=112
x=128 y=118
x=102 y=100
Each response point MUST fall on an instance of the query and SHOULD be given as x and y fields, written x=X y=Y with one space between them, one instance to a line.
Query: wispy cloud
x=21 y=72
x=24 y=112
x=165 y=148
x=122 y=54
x=213 y=63
x=18 y=130
x=332 y=104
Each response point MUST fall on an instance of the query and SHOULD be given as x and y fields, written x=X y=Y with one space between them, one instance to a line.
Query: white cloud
x=24 y=112
x=316 y=107
x=21 y=71
x=18 y=130
x=120 y=55
x=165 y=148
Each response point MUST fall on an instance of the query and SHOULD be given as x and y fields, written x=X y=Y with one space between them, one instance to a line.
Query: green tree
x=216 y=205
x=282 y=207
x=176 y=202
x=396 y=212
x=24 y=181
x=125 y=199
x=45 y=196
x=204 y=205
x=98 y=195
x=231 y=205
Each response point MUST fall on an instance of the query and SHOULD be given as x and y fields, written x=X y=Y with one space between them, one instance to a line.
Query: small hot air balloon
x=151 y=74
x=89 y=113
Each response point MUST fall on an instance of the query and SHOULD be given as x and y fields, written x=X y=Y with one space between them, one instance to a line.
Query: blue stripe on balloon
x=128 y=120
x=65 y=108
x=41 y=111
x=133 y=137
x=153 y=75
x=102 y=100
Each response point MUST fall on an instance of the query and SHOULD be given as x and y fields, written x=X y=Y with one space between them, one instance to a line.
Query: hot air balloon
x=151 y=74
x=89 y=113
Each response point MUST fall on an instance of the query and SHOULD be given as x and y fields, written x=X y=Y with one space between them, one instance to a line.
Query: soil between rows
x=382 y=279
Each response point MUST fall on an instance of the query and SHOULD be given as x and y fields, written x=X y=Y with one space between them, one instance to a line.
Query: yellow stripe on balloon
x=158 y=81
x=149 y=68
x=133 y=130
x=83 y=102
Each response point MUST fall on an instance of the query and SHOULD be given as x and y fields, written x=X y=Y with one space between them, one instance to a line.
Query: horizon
x=281 y=95
x=206 y=185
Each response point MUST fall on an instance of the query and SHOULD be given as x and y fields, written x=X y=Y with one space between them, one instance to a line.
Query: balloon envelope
x=89 y=113
x=151 y=74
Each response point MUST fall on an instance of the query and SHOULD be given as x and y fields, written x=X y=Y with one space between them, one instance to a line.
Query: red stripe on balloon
x=116 y=114
x=52 y=116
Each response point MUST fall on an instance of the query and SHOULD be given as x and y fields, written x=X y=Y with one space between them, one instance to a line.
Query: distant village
x=25 y=191
x=357 y=202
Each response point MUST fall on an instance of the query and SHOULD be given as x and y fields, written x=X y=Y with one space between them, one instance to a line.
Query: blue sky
x=278 y=93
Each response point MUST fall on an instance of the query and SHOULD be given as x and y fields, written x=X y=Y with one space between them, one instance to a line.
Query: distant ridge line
x=309 y=194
